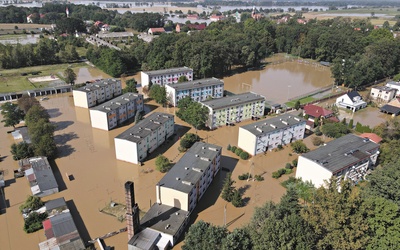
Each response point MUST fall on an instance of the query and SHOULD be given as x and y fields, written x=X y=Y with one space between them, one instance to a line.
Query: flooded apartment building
x=184 y=185
x=96 y=93
x=165 y=76
x=268 y=134
x=348 y=157
x=116 y=111
x=233 y=109
x=134 y=144
x=198 y=90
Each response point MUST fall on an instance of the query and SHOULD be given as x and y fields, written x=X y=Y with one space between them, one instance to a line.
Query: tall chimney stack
x=132 y=210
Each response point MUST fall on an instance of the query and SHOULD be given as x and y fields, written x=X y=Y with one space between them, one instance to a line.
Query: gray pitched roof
x=196 y=84
x=145 y=127
x=188 y=170
x=353 y=94
x=97 y=85
x=43 y=172
x=62 y=224
x=233 y=100
x=145 y=239
x=55 y=204
x=342 y=152
x=272 y=124
x=167 y=71
x=390 y=109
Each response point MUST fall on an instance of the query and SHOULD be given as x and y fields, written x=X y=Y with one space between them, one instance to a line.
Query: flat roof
x=145 y=127
x=97 y=85
x=272 y=124
x=189 y=169
x=342 y=152
x=393 y=83
x=167 y=71
x=195 y=84
x=384 y=88
x=233 y=100
x=164 y=218
x=58 y=203
x=145 y=239
x=115 y=103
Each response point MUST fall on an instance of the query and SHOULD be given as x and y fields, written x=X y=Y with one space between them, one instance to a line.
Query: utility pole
x=225 y=215
x=251 y=170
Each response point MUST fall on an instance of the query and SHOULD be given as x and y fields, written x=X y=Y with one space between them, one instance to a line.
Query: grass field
x=302 y=101
x=12 y=80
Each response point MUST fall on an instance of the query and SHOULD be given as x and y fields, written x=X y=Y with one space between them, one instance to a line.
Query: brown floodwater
x=279 y=82
x=88 y=155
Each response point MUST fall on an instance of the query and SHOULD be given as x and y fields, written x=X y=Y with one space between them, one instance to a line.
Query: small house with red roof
x=215 y=18
x=193 y=17
x=156 y=31
x=105 y=27
x=372 y=137
x=99 y=24
x=315 y=112
x=190 y=26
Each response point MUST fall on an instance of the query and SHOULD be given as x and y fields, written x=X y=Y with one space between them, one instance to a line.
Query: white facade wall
x=247 y=141
x=172 y=197
x=165 y=78
x=126 y=150
x=81 y=99
x=394 y=85
x=309 y=170
x=99 y=120
x=197 y=93
x=382 y=95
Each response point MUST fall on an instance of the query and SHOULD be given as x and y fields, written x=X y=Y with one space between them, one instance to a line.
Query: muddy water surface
x=279 y=82
x=89 y=74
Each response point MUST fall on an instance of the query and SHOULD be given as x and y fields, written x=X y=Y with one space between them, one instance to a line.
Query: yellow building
x=184 y=185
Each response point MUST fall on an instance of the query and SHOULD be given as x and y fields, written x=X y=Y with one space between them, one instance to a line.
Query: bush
x=229 y=147
x=244 y=155
x=318 y=131
x=162 y=164
x=288 y=166
x=238 y=151
x=279 y=173
x=280 y=147
x=288 y=171
x=258 y=177
x=233 y=149
x=294 y=163
x=244 y=176
x=317 y=141
x=299 y=147
x=34 y=222
x=188 y=140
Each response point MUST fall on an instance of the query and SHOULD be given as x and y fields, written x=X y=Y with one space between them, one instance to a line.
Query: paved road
x=97 y=41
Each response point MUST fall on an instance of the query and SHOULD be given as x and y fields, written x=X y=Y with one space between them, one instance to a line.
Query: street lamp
x=288 y=91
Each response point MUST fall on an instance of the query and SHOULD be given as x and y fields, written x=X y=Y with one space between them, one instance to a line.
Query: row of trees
x=40 y=129
x=46 y=51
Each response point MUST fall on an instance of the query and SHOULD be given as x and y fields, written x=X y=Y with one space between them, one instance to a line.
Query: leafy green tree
x=204 y=236
x=70 y=25
x=239 y=239
x=34 y=222
x=182 y=79
x=336 y=217
x=299 y=147
x=228 y=188
x=12 y=114
x=70 y=76
x=289 y=203
x=21 y=150
x=162 y=164
x=237 y=200
x=188 y=140
x=159 y=94
x=31 y=203
x=297 y=105
x=26 y=102
x=138 y=116
x=46 y=146
x=383 y=217
x=334 y=130
x=130 y=86
x=192 y=112
x=36 y=113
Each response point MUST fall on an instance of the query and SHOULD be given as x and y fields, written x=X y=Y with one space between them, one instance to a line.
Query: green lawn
x=302 y=101
x=11 y=80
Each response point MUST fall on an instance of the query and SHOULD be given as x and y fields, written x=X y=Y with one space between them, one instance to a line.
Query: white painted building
x=268 y=134
x=394 y=85
x=96 y=93
x=135 y=143
x=40 y=176
x=348 y=157
x=198 y=90
x=184 y=185
x=351 y=100
x=233 y=109
x=383 y=93
x=115 y=112
x=165 y=76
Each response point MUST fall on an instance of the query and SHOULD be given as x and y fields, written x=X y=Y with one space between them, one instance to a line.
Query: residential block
x=268 y=134
x=116 y=111
x=96 y=93
x=134 y=144
x=165 y=76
